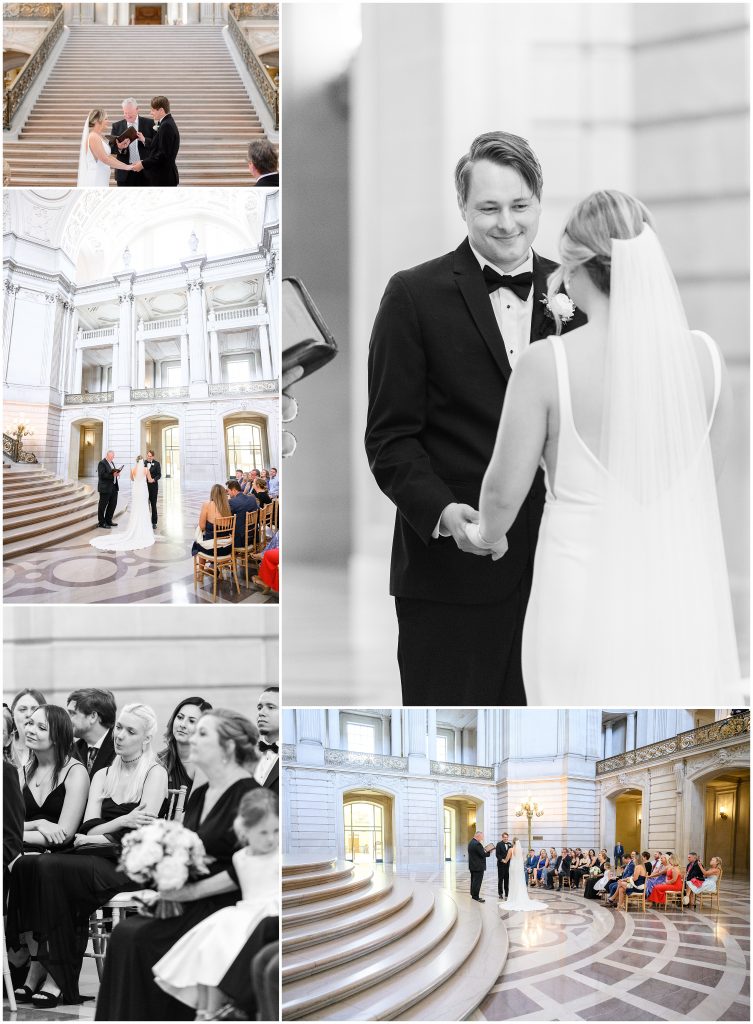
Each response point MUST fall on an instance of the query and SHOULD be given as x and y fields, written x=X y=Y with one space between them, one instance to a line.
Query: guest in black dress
x=13 y=823
x=25 y=703
x=224 y=747
x=53 y=896
x=176 y=755
x=217 y=507
x=602 y=866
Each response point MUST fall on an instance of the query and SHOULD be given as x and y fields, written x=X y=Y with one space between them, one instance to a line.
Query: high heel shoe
x=45 y=1000
x=24 y=992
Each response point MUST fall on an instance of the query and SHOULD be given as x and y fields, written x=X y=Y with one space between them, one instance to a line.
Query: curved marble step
x=357 y=879
x=51 y=538
x=292 y=864
x=322 y=909
x=365 y=916
x=315 y=876
x=49 y=510
x=304 y=997
x=348 y=946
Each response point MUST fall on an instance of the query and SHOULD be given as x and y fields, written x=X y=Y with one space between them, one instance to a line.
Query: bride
x=518 y=898
x=95 y=159
x=630 y=416
x=138 y=532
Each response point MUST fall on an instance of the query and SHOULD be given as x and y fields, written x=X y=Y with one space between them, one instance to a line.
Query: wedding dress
x=518 y=898
x=630 y=584
x=92 y=173
x=138 y=532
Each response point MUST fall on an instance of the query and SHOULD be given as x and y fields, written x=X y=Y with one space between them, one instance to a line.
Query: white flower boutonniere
x=156 y=125
x=564 y=307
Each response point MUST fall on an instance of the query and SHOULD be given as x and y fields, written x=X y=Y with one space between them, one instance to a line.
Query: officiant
x=132 y=152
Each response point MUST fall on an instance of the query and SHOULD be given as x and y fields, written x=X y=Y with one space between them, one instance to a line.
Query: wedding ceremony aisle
x=73 y=572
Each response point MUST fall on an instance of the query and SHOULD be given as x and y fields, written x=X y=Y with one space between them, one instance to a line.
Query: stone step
x=332 y=872
x=45 y=493
x=376 y=889
x=349 y=945
x=53 y=538
x=84 y=513
x=292 y=864
x=304 y=997
x=38 y=516
x=357 y=879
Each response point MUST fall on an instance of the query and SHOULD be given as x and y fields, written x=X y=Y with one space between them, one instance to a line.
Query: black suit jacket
x=272 y=781
x=146 y=127
x=13 y=815
x=501 y=850
x=438 y=372
x=693 y=871
x=104 y=758
x=477 y=856
x=156 y=471
x=268 y=180
x=106 y=479
x=159 y=162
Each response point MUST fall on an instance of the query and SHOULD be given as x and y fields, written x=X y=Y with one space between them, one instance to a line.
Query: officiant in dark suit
x=444 y=343
x=131 y=152
x=477 y=854
x=155 y=471
x=159 y=163
x=501 y=850
x=107 y=486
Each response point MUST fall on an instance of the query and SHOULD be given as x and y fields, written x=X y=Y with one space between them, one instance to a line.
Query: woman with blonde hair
x=630 y=415
x=216 y=508
x=674 y=882
x=708 y=883
x=95 y=160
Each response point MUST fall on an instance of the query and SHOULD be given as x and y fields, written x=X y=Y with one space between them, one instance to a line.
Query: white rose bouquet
x=165 y=855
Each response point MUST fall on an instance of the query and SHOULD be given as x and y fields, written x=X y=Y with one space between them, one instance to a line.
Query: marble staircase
x=101 y=65
x=360 y=942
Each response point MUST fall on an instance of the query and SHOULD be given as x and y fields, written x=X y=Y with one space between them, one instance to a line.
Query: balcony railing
x=238 y=313
x=152 y=394
x=31 y=12
x=463 y=771
x=382 y=762
x=168 y=323
x=256 y=11
x=684 y=742
x=101 y=332
x=14 y=449
x=19 y=90
x=255 y=68
x=254 y=387
x=91 y=398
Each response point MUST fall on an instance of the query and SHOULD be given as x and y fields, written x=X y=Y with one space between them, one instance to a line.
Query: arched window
x=246 y=447
x=364 y=832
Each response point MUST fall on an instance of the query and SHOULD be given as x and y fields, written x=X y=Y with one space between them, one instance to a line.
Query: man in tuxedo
x=131 y=152
x=262 y=163
x=240 y=504
x=445 y=341
x=155 y=471
x=477 y=854
x=627 y=873
x=561 y=869
x=619 y=853
x=159 y=163
x=502 y=848
x=92 y=713
x=267 y=771
x=107 y=485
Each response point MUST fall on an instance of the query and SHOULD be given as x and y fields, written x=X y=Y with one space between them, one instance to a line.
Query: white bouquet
x=165 y=855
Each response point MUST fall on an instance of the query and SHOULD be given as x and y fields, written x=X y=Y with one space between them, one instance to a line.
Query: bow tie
x=264 y=747
x=520 y=283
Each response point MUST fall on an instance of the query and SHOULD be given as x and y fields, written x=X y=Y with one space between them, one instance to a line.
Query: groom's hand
x=452 y=523
x=137 y=167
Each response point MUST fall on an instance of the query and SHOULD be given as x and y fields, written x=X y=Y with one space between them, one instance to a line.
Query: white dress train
x=518 y=898
x=138 y=532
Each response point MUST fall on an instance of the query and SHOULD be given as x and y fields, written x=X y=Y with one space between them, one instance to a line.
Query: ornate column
x=214 y=349
x=78 y=365
x=608 y=740
x=65 y=337
x=416 y=736
x=11 y=291
x=630 y=731
x=197 y=342
x=184 y=361
x=481 y=736
x=432 y=733
x=123 y=358
x=141 y=356
x=267 y=370
x=310 y=727
x=333 y=728
x=273 y=301
x=396 y=744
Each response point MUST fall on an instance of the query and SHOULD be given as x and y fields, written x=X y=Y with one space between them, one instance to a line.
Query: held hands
x=137 y=167
x=454 y=522
x=496 y=550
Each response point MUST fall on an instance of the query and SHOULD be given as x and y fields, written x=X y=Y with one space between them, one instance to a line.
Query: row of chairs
x=212 y=564
x=675 y=898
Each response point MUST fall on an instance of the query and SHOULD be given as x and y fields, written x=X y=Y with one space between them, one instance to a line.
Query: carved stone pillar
x=141 y=356
x=214 y=349
x=416 y=735
x=78 y=369
x=267 y=370
x=396 y=739
x=310 y=728
x=273 y=301
x=11 y=291
x=481 y=736
x=432 y=733
x=123 y=360
x=198 y=384
x=185 y=377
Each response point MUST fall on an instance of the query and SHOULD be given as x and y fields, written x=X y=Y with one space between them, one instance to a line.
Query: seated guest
x=93 y=714
x=626 y=873
x=240 y=504
x=674 y=883
x=530 y=866
x=597 y=873
x=262 y=163
x=273 y=483
x=8 y=728
x=13 y=823
x=259 y=491
x=539 y=878
x=224 y=747
x=193 y=968
x=246 y=483
x=175 y=758
x=268 y=579
x=559 y=867
x=635 y=883
x=705 y=880
x=56 y=785
x=216 y=508
x=24 y=704
x=240 y=476
x=658 y=874
x=52 y=897
x=267 y=771
x=585 y=863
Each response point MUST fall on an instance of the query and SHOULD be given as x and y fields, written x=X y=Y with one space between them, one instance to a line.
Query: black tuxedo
x=271 y=180
x=503 y=869
x=104 y=758
x=438 y=373
x=476 y=865
x=153 y=488
x=107 y=485
x=272 y=781
x=159 y=162
x=146 y=126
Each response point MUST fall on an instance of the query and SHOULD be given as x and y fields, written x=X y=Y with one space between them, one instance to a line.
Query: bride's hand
x=498 y=549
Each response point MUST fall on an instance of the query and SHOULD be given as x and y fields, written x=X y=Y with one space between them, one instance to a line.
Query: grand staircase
x=102 y=65
x=40 y=510
x=361 y=943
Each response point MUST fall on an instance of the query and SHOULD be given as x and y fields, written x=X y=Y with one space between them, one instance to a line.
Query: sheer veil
x=81 y=180
x=660 y=535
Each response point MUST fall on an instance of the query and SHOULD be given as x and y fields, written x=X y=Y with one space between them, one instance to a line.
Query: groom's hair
x=161 y=103
x=101 y=702
x=504 y=149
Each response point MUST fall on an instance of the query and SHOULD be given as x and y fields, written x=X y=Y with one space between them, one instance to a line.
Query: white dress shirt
x=264 y=766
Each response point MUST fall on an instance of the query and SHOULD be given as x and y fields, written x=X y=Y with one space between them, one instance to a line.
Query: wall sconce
x=640 y=818
x=723 y=814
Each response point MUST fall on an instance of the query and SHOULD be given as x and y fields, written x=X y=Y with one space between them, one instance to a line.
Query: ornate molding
x=349 y=759
x=154 y=394
x=255 y=387
x=737 y=755
x=465 y=771
x=95 y=398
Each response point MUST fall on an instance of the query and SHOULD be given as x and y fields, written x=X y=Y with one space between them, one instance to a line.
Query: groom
x=501 y=850
x=131 y=152
x=155 y=471
x=159 y=164
x=445 y=341
x=107 y=485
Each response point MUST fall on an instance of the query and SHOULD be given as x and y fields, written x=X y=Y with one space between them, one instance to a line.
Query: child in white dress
x=192 y=970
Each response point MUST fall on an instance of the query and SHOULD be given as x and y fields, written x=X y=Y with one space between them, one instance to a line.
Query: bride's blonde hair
x=139 y=458
x=96 y=114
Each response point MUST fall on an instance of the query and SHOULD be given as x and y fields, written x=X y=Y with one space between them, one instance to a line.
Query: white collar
x=524 y=267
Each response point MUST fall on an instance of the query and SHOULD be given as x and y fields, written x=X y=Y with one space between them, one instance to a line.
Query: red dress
x=658 y=893
x=269 y=570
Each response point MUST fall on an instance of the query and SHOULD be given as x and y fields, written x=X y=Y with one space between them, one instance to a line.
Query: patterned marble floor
x=579 y=960
x=76 y=573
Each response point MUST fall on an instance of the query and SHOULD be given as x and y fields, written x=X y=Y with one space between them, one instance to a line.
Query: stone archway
x=637 y=789
x=85 y=448
x=462 y=816
x=715 y=786
x=368 y=826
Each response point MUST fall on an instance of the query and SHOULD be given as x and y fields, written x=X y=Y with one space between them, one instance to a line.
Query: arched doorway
x=720 y=819
x=85 y=449
x=462 y=816
x=368 y=827
x=162 y=434
x=246 y=442
x=623 y=817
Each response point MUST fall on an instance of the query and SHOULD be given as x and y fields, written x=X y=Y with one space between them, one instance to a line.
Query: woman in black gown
x=55 y=894
x=175 y=757
x=224 y=747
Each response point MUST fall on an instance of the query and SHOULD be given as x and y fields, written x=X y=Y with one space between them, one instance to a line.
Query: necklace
x=133 y=759
x=40 y=780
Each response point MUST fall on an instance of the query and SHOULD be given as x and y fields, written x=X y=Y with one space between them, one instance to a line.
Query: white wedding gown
x=92 y=173
x=518 y=898
x=138 y=532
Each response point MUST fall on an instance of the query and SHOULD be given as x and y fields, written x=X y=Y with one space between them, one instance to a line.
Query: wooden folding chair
x=212 y=564
x=244 y=555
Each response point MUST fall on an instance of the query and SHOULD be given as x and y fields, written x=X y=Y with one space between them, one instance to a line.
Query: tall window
x=448 y=842
x=171 y=376
x=360 y=738
x=364 y=832
x=245 y=447
x=442 y=748
x=171 y=452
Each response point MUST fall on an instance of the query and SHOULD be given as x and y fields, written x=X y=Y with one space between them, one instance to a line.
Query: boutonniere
x=156 y=125
x=563 y=306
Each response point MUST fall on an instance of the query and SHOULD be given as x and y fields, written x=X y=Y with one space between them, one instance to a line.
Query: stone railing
x=31 y=12
x=684 y=742
x=152 y=394
x=238 y=313
x=257 y=12
x=255 y=68
x=463 y=771
x=14 y=449
x=91 y=398
x=254 y=387
x=18 y=91
x=161 y=325
x=348 y=759
x=101 y=332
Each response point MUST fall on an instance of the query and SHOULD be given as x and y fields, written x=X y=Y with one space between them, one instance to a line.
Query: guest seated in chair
x=635 y=883
x=268 y=579
x=259 y=491
x=531 y=862
x=597 y=875
x=659 y=873
x=176 y=757
x=702 y=879
x=240 y=504
x=216 y=508
x=674 y=883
